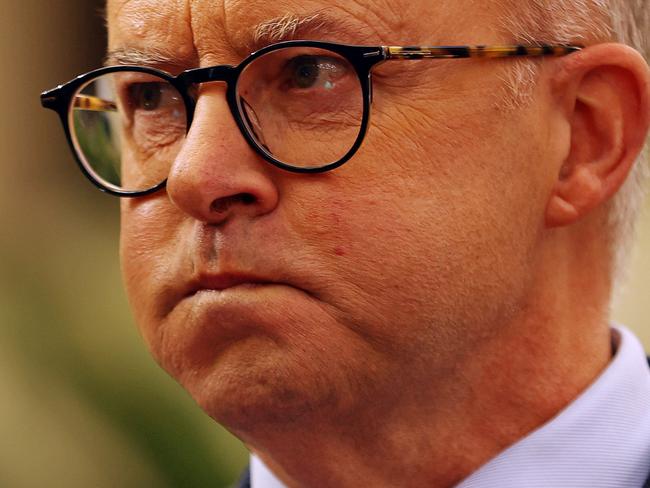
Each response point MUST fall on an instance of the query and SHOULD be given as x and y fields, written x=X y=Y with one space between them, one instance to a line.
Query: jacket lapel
x=245 y=480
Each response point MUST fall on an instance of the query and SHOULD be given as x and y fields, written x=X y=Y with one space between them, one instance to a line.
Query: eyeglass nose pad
x=253 y=122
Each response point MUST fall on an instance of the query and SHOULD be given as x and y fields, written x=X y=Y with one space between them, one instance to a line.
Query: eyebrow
x=283 y=27
x=316 y=26
x=150 y=57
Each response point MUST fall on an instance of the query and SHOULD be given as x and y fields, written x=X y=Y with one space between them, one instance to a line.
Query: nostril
x=247 y=198
x=222 y=205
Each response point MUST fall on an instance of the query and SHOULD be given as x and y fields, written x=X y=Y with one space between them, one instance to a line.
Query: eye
x=152 y=96
x=308 y=71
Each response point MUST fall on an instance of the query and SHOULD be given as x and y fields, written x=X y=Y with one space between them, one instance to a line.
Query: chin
x=264 y=356
x=255 y=385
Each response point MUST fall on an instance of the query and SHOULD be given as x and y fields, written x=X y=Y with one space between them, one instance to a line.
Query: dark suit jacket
x=245 y=480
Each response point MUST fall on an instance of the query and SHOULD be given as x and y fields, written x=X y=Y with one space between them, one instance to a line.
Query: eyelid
x=332 y=60
x=132 y=77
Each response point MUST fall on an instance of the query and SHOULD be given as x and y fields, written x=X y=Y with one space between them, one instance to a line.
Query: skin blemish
x=339 y=251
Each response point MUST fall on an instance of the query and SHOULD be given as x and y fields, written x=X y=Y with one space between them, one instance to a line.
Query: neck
x=440 y=441
x=440 y=431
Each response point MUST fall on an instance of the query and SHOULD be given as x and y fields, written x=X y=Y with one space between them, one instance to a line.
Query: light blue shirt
x=601 y=440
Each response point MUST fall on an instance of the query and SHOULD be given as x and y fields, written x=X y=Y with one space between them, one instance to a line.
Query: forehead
x=222 y=30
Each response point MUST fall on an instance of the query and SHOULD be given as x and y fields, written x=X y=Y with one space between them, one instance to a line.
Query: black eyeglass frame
x=362 y=58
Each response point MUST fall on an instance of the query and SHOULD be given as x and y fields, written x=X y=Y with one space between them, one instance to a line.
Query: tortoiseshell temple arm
x=94 y=104
x=446 y=52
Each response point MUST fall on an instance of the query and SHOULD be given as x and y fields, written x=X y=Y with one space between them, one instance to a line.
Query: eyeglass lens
x=302 y=106
x=127 y=127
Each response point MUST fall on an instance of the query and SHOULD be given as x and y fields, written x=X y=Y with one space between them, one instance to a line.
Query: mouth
x=225 y=281
x=227 y=287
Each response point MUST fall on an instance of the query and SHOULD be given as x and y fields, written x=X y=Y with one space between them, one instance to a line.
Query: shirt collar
x=262 y=476
x=602 y=439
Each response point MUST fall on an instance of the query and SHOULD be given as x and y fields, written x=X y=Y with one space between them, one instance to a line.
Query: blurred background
x=83 y=404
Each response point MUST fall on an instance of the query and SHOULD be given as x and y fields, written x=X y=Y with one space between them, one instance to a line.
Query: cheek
x=461 y=148
x=147 y=239
x=435 y=225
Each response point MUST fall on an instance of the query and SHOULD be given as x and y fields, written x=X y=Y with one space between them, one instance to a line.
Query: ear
x=604 y=94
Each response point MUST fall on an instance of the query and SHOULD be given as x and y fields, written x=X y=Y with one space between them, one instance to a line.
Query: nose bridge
x=216 y=176
x=192 y=79
x=224 y=72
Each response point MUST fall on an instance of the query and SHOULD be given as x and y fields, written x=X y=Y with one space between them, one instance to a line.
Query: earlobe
x=574 y=196
x=605 y=92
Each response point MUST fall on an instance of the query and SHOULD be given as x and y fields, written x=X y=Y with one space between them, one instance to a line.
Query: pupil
x=150 y=96
x=306 y=73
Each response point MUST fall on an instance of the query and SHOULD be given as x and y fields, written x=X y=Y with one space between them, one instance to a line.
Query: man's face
x=356 y=283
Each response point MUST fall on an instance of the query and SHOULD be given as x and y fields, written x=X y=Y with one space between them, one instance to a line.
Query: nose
x=216 y=175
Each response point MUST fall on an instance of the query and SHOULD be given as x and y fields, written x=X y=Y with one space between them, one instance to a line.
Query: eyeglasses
x=303 y=106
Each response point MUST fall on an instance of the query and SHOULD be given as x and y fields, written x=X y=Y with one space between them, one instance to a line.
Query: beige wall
x=82 y=403
x=633 y=307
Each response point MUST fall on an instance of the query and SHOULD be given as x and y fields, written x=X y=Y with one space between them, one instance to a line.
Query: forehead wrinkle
x=110 y=8
x=150 y=33
x=386 y=21
x=209 y=26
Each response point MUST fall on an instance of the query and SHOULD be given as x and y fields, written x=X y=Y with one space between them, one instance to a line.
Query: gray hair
x=572 y=21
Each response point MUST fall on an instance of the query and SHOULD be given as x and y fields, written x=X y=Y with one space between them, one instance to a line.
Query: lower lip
x=213 y=317
x=244 y=299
